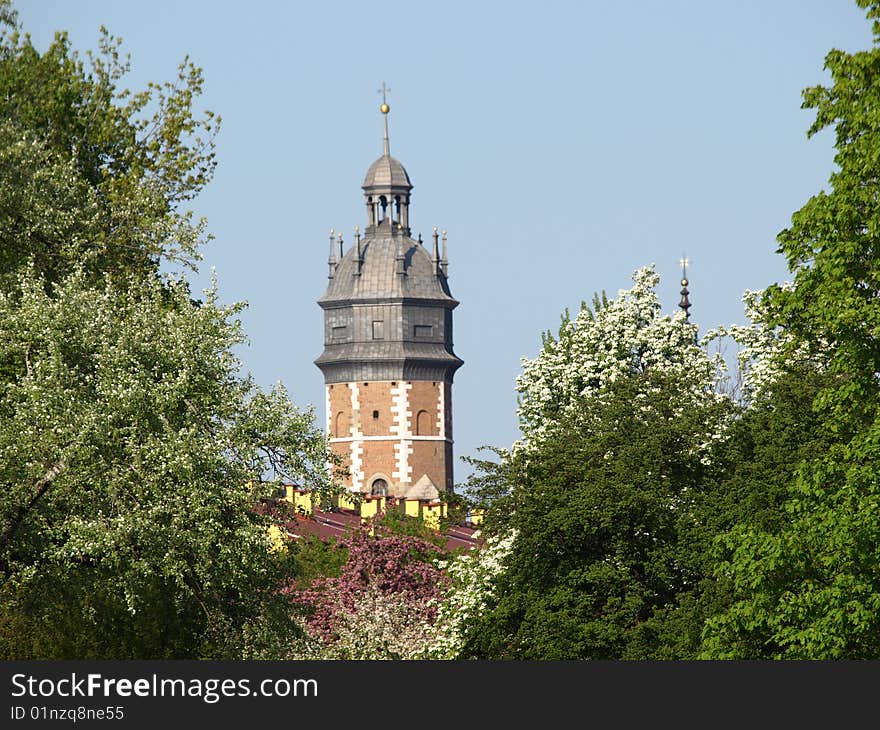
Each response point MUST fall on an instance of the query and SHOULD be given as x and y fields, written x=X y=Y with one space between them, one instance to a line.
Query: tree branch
x=42 y=486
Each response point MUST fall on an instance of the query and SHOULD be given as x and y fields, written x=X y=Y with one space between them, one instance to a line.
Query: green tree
x=92 y=175
x=606 y=538
x=811 y=587
x=133 y=451
x=620 y=420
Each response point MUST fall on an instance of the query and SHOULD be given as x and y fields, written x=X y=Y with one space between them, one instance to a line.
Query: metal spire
x=386 y=146
x=685 y=302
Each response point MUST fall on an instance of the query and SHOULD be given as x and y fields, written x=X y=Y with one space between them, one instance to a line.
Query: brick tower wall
x=396 y=430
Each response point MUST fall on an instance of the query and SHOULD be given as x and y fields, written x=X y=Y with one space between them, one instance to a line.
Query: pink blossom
x=400 y=567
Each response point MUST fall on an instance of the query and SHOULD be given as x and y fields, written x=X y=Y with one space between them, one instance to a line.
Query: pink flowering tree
x=383 y=602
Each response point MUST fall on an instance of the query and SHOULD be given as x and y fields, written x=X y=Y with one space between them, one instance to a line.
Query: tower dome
x=386 y=172
x=387 y=188
x=387 y=266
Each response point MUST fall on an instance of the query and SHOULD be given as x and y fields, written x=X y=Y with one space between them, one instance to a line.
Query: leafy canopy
x=810 y=589
x=93 y=175
x=618 y=415
x=133 y=450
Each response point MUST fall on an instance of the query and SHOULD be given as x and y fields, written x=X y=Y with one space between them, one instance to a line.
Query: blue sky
x=562 y=144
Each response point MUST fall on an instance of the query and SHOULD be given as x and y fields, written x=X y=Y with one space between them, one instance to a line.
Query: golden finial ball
x=384 y=108
x=684 y=282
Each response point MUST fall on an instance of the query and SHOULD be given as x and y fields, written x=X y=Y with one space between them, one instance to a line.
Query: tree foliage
x=133 y=450
x=473 y=581
x=382 y=603
x=127 y=445
x=617 y=338
x=619 y=416
x=810 y=588
x=606 y=533
x=93 y=175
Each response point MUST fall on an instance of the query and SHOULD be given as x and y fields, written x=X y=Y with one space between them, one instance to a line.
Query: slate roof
x=393 y=351
x=378 y=278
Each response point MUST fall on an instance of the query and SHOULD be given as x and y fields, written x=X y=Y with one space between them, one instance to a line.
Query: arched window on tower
x=424 y=424
x=340 y=427
x=380 y=487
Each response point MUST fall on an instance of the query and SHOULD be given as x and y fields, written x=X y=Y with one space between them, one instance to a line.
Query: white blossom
x=473 y=586
x=763 y=349
x=624 y=336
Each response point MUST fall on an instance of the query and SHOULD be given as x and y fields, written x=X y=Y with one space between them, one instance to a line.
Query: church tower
x=388 y=362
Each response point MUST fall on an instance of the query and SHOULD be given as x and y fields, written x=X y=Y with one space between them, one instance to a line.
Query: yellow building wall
x=372 y=507
x=303 y=501
x=432 y=512
x=277 y=539
x=347 y=501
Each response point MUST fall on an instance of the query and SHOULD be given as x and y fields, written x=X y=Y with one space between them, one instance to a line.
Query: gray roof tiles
x=379 y=278
x=389 y=351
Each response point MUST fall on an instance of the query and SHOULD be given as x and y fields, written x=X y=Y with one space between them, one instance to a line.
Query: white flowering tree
x=623 y=337
x=383 y=626
x=766 y=351
x=132 y=447
x=131 y=456
x=473 y=577
x=620 y=414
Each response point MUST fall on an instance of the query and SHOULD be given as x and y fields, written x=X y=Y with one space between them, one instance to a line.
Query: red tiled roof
x=323 y=524
x=326 y=525
x=458 y=536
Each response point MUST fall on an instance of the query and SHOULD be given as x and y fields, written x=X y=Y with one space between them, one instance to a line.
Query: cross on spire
x=384 y=91
x=684 y=266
